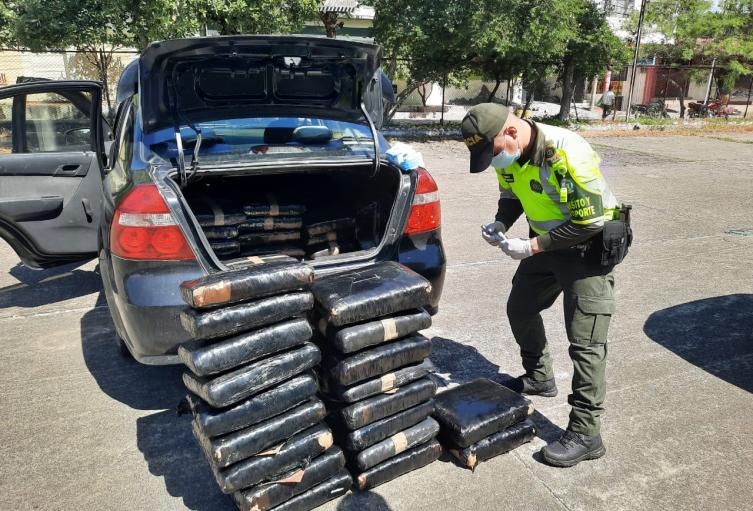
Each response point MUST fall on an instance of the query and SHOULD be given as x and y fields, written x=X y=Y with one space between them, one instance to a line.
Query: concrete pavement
x=85 y=429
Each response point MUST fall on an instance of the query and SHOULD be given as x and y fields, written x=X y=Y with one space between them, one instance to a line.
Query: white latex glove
x=404 y=156
x=497 y=227
x=517 y=248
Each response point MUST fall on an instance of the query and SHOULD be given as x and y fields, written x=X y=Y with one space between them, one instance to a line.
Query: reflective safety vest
x=561 y=182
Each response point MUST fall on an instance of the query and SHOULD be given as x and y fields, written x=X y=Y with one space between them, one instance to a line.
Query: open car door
x=51 y=151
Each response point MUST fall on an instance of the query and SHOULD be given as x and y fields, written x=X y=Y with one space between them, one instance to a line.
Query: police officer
x=552 y=175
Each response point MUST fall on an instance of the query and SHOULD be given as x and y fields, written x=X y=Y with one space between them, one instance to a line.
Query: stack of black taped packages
x=482 y=419
x=257 y=228
x=330 y=237
x=375 y=370
x=255 y=411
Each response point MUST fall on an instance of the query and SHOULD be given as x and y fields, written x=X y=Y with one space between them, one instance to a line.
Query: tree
x=7 y=22
x=429 y=41
x=590 y=49
x=254 y=16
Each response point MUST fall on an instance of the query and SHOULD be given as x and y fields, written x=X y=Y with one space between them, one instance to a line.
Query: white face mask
x=504 y=160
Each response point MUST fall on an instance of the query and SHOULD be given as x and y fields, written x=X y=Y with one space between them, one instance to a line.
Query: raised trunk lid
x=205 y=79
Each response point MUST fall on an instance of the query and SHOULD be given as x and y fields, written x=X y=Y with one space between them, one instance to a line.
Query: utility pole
x=708 y=85
x=635 y=58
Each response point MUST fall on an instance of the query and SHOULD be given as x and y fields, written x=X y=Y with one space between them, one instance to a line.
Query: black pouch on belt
x=615 y=239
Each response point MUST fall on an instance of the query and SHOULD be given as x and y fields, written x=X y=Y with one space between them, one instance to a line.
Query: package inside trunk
x=306 y=215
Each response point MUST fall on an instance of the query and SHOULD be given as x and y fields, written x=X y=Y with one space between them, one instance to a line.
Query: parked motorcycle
x=653 y=109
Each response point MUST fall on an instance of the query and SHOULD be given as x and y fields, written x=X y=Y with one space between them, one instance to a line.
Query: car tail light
x=144 y=229
x=425 y=213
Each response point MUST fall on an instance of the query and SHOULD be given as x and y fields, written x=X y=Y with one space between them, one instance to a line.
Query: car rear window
x=264 y=138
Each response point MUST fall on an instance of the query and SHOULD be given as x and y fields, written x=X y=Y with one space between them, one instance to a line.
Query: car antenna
x=374 y=137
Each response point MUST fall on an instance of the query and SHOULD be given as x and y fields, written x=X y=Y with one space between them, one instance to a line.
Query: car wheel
x=122 y=348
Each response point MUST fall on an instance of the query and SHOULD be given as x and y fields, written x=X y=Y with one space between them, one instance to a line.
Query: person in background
x=607 y=102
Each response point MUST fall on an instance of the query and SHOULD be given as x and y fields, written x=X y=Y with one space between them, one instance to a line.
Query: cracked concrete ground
x=84 y=429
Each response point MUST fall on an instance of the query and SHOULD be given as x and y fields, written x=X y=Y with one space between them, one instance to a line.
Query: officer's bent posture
x=552 y=174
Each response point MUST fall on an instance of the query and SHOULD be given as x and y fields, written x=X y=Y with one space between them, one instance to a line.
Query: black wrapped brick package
x=270 y=223
x=273 y=209
x=295 y=453
x=370 y=434
x=212 y=422
x=357 y=337
x=381 y=384
x=403 y=463
x=228 y=449
x=229 y=388
x=379 y=360
x=204 y=358
x=338 y=224
x=334 y=487
x=496 y=444
x=397 y=443
x=246 y=284
x=233 y=319
x=268 y=495
x=226 y=248
x=378 y=407
x=254 y=239
x=227 y=232
x=377 y=290
x=474 y=410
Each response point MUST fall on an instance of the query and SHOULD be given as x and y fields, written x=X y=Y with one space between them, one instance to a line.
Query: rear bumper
x=145 y=303
x=424 y=254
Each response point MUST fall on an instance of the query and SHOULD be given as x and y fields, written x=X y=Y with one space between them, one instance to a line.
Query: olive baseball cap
x=479 y=127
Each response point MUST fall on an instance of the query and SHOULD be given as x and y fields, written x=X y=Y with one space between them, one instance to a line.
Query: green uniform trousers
x=588 y=290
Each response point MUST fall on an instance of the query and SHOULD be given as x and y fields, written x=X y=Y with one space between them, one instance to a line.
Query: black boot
x=572 y=448
x=525 y=385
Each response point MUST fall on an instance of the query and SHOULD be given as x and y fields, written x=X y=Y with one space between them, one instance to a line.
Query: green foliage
x=255 y=16
x=700 y=31
x=7 y=23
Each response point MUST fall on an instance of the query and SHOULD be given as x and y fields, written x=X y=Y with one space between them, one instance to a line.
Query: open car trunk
x=306 y=215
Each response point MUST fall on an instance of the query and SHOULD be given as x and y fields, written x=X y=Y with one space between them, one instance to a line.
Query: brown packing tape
x=390 y=329
x=362 y=481
x=326 y=440
x=470 y=462
x=219 y=216
x=274 y=208
x=213 y=294
x=530 y=409
x=388 y=381
x=293 y=478
x=399 y=442
x=271 y=451
x=269 y=223
x=391 y=391
x=259 y=503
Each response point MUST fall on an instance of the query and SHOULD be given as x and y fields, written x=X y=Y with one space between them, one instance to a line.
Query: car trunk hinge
x=374 y=136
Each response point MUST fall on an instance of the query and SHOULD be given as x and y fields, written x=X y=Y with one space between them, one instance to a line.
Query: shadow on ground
x=139 y=386
x=164 y=439
x=715 y=334
x=172 y=453
x=458 y=363
x=43 y=287
x=363 y=501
